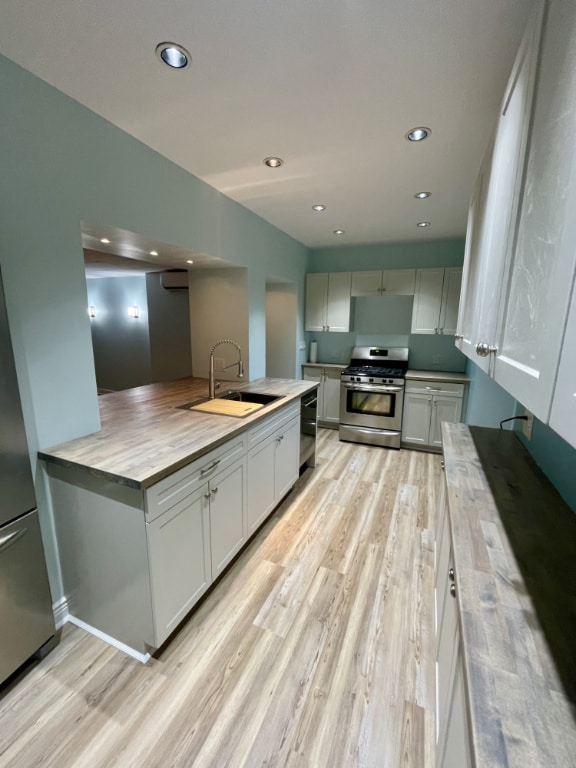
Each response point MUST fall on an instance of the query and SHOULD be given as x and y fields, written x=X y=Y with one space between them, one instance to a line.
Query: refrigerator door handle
x=12 y=538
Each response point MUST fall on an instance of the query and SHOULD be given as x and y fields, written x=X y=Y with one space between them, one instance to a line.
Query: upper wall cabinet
x=521 y=253
x=541 y=272
x=396 y=282
x=328 y=301
x=436 y=300
x=494 y=207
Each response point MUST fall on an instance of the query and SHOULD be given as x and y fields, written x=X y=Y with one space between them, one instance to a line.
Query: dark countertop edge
x=152 y=479
x=449 y=376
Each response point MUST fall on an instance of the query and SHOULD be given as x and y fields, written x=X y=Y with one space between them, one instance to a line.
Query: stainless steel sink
x=248 y=397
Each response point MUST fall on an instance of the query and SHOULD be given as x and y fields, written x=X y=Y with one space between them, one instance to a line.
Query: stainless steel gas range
x=372 y=396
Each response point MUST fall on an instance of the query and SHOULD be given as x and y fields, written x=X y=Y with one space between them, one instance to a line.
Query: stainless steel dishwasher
x=308 y=428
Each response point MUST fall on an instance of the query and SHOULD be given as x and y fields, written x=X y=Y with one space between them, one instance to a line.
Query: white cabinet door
x=331 y=396
x=450 y=301
x=328 y=392
x=427 y=300
x=399 y=282
x=456 y=743
x=452 y=740
x=261 y=483
x=366 y=283
x=493 y=218
x=287 y=450
x=328 y=301
x=338 y=306
x=179 y=562
x=436 y=300
x=273 y=468
x=444 y=408
x=563 y=415
x=542 y=264
x=416 y=418
x=227 y=495
x=316 y=299
x=470 y=308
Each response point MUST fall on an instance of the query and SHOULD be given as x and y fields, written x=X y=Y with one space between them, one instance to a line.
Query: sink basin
x=253 y=401
x=249 y=397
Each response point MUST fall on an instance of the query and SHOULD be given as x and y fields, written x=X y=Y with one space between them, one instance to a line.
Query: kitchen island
x=144 y=436
x=151 y=509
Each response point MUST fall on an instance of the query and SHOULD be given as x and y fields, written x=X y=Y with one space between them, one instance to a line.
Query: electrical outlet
x=219 y=363
x=301 y=346
x=527 y=425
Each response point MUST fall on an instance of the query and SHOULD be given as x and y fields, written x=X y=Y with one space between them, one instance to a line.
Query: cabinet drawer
x=168 y=492
x=435 y=388
x=268 y=426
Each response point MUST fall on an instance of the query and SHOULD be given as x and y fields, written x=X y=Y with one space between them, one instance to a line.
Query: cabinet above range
x=436 y=292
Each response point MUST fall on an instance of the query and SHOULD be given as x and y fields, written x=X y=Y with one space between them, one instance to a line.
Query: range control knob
x=370 y=379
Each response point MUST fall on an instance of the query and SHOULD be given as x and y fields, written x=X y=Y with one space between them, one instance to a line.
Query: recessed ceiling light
x=104 y=240
x=173 y=55
x=153 y=253
x=318 y=207
x=422 y=195
x=338 y=231
x=418 y=134
x=189 y=261
x=423 y=224
x=273 y=162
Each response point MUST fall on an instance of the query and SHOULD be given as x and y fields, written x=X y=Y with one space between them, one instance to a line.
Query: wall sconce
x=92 y=311
x=133 y=312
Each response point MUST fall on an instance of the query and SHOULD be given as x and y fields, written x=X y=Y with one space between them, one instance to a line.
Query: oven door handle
x=377 y=390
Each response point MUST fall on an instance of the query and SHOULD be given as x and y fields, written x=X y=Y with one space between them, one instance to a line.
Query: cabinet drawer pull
x=210 y=468
x=453 y=590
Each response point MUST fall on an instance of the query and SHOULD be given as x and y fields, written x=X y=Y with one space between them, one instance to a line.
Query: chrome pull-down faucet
x=211 y=383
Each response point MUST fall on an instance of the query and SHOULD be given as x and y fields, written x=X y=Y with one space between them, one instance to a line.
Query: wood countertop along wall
x=145 y=437
x=514 y=543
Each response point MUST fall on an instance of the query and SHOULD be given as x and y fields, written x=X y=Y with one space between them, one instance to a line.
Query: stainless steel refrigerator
x=26 y=618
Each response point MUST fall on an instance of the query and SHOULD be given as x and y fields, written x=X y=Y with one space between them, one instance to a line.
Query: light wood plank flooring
x=314 y=650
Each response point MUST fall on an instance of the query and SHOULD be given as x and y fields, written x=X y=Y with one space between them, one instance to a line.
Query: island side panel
x=101 y=535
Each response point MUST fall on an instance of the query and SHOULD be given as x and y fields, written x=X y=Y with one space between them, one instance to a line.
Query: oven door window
x=371 y=403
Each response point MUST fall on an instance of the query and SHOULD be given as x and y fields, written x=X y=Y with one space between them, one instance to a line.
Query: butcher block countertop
x=514 y=543
x=145 y=436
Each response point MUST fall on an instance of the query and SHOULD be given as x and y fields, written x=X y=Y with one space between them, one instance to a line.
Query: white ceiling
x=330 y=86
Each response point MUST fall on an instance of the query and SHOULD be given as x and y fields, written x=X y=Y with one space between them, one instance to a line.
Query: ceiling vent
x=174 y=281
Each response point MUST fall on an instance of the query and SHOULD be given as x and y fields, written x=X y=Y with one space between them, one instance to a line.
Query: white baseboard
x=142 y=657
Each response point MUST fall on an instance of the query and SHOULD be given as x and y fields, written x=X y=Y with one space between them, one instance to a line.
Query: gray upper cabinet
x=520 y=255
x=436 y=300
x=392 y=282
x=328 y=301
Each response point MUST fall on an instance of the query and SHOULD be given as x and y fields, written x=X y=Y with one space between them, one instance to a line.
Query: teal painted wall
x=62 y=164
x=429 y=253
x=488 y=404
x=555 y=458
x=121 y=343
